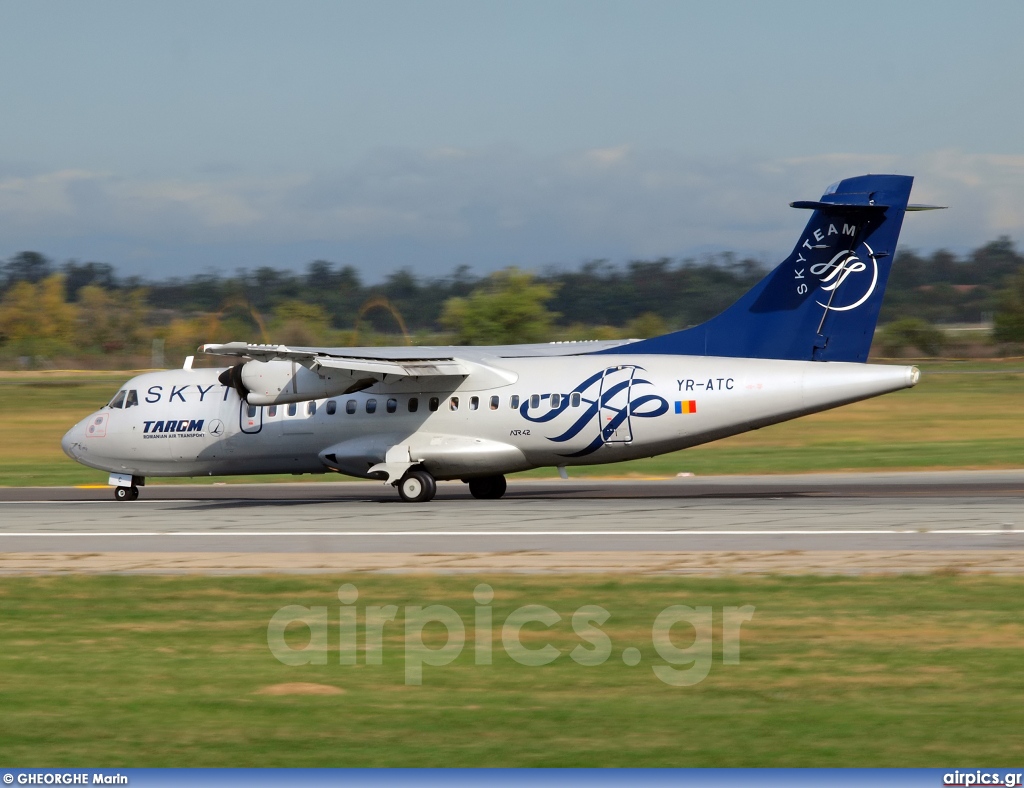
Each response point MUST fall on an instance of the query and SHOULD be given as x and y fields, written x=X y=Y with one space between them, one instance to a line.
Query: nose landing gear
x=126 y=486
x=126 y=493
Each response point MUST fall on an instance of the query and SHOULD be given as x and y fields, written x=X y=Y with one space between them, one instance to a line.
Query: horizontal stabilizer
x=837 y=207
x=839 y=201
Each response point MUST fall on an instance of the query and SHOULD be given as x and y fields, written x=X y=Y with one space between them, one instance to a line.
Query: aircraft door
x=250 y=418
x=616 y=388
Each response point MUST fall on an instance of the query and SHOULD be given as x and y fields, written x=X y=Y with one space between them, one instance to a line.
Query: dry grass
x=300 y=688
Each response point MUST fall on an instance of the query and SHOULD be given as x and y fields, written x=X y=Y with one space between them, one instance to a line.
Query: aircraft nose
x=71 y=439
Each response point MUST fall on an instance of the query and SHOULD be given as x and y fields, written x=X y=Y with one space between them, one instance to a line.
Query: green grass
x=156 y=671
x=961 y=415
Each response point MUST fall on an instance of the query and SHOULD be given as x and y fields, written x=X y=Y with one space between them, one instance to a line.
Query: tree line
x=75 y=309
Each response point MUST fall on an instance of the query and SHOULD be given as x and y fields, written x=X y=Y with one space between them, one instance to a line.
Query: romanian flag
x=686 y=406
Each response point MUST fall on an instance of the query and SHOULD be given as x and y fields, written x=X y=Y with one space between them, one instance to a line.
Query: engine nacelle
x=280 y=382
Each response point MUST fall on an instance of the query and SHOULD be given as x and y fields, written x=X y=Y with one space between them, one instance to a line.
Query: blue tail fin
x=822 y=303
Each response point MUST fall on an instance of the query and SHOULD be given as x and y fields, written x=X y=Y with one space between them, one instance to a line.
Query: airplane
x=797 y=343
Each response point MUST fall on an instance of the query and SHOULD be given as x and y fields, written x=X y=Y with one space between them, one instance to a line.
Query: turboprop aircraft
x=795 y=344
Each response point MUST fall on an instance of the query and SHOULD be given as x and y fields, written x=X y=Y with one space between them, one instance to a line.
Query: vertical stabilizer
x=822 y=303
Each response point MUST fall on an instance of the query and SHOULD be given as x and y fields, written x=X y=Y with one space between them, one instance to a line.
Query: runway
x=892 y=512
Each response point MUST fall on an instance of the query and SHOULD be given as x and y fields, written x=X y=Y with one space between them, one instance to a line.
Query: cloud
x=433 y=209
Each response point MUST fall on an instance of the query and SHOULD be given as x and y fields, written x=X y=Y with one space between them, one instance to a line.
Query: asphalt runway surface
x=956 y=511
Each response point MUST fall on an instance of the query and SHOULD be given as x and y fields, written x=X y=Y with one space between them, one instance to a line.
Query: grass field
x=158 y=671
x=968 y=415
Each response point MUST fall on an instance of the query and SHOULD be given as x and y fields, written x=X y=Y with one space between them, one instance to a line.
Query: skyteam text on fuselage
x=795 y=344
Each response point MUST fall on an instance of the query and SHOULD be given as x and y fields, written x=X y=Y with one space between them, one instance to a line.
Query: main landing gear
x=126 y=493
x=417 y=486
x=487 y=487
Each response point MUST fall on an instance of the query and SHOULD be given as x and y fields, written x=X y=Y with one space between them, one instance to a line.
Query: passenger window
x=133 y=399
x=454 y=403
x=251 y=411
x=434 y=403
x=292 y=409
x=350 y=406
x=332 y=407
x=535 y=400
x=556 y=400
x=371 y=406
x=474 y=403
x=513 y=402
x=118 y=400
x=310 y=408
x=494 y=403
x=414 y=404
x=272 y=411
x=574 y=400
x=392 y=405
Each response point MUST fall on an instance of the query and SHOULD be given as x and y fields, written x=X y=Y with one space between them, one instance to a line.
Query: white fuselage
x=540 y=411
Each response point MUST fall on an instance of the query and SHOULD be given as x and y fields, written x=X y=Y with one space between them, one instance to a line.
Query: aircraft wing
x=315 y=360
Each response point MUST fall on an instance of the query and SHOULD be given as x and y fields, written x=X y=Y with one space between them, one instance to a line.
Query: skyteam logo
x=603 y=406
x=846 y=265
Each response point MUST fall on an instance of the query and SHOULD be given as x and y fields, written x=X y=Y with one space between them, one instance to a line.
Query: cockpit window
x=118 y=400
x=132 y=399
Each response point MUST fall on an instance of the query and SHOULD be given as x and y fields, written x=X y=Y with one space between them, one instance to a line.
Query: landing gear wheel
x=488 y=487
x=126 y=493
x=417 y=486
x=134 y=491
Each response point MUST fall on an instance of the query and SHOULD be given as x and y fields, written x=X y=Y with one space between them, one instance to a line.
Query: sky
x=176 y=138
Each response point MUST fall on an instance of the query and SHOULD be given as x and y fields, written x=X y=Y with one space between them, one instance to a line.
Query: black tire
x=417 y=486
x=488 y=488
x=134 y=493
x=122 y=493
